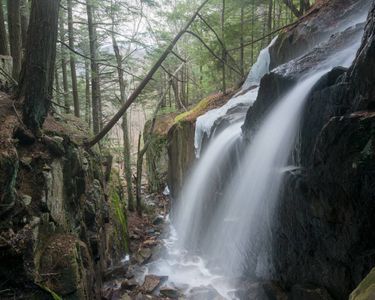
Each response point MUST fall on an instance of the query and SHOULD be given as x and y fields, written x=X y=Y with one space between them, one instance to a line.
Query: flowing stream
x=218 y=229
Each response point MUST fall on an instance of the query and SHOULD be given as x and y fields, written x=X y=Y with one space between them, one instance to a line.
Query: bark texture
x=39 y=66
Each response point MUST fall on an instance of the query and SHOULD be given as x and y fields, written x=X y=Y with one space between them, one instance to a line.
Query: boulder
x=170 y=292
x=203 y=293
x=152 y=283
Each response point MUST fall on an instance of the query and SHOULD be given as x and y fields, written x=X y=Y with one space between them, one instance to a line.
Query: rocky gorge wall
x=323 y=229
x=56 y=233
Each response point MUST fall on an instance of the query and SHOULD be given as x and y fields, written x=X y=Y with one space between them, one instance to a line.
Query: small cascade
x=185 y=268
x=246 y=97
x=191 y=214
x=205 y=123
x=260 y=68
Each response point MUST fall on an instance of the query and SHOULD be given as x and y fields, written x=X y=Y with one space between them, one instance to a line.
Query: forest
x=203 y=149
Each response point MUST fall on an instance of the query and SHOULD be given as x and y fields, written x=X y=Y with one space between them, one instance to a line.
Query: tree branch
x=144 y=82
x=212 y=52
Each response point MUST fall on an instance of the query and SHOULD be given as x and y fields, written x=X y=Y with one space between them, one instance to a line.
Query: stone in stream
x=125 y=297
x=204 y=293
x=169 y=292
x=158 y=220
x=143 y=255
x=115 y=272
x=129 y=284
x=153 y=282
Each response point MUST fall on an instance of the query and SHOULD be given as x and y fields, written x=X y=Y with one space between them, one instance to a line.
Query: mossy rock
x=366 y=289
x=66 y=269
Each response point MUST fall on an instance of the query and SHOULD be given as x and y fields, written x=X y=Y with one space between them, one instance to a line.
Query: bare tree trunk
x=252 y=30
x=3 y=34
x=224 y=53
x=36 y=83
x=304 y=6
x=127 y=162
x=242 y=55
x=139 y=176
x=187 y=85
x=87 y=93
x=63 y=64
x=95 y=80
x=293 y=8
x=73 y=60
x=24 y=10
x=14 y=28
x=57 y=86
x=142 y=152
x=176 y=94
x=125 y=129
x=269 y=19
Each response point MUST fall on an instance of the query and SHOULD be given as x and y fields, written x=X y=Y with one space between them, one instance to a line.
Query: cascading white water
x=201 y=185
x=205 y=122
x=185 y=268
x=260 y=68
x=245 y=214
x=222 y=234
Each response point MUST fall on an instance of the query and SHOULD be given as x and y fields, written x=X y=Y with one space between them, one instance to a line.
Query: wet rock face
x=323 y=230
x=53 y=227
x=324 y=223
x=181 y=153
x=315 y=26
x=6 y=63
x=156 y=160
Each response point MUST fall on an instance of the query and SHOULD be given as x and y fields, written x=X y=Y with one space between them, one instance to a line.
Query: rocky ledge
x=56 y=233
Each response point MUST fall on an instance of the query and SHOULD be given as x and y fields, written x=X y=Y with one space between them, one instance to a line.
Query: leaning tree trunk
x=73 y=60
x=14 y=28
x=3 y=34
x=36 y=82
x=293 y=8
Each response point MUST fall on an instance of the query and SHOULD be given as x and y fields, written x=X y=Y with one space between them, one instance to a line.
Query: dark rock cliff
x=56 y=237
x=324 y=224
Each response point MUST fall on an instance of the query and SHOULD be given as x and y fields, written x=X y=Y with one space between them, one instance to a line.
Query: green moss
x=196 y=110
x=157 y=162
x=52 y=293
x=366 y=289
x=121 y=219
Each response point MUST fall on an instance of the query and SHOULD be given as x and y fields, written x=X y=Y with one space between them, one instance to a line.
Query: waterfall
x=244 y=218
x=200 y=187
x=220 y=226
